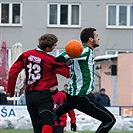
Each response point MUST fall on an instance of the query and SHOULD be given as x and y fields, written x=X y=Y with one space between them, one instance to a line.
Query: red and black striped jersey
x=40 y=70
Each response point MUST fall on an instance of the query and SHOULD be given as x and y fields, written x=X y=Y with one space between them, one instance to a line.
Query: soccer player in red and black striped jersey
x=40 y=70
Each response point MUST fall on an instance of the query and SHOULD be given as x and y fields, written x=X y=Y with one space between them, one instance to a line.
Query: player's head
x=65 y=87
x=47 y=42
x=90 y=36
x=54 y=88
x=1 y=88
x=102 y=91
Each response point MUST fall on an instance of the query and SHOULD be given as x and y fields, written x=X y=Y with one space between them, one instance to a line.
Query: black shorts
x=58 y=129
x=88 y=105
x=39 y=105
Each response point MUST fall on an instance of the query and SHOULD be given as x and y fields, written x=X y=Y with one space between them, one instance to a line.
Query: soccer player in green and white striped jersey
x=82 y=74
x=81 y=83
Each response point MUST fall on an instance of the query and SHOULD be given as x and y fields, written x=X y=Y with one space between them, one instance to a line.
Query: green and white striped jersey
x=81 y=80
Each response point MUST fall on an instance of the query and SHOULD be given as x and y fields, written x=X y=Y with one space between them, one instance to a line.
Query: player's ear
x=91 y=39
x=47 y=49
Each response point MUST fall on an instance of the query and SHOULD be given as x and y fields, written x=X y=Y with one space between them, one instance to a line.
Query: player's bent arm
x=60 y=68
x=64 y=57
x=12 y=77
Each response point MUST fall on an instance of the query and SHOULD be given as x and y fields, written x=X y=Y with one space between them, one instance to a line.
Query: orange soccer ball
x=74 y=48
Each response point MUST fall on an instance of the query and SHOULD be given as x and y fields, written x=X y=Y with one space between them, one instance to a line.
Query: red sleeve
x=64 y=71
x=12 y=76
x=61 y=68
x=72 y=116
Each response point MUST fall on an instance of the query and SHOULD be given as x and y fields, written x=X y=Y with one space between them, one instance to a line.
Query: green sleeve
x=67 y=57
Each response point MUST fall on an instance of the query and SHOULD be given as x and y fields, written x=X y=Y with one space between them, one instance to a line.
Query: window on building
x=10 y=14
x=64 y=15
x=119 y=16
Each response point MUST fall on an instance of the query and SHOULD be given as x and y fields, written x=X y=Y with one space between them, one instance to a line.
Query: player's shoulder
x=62 y=93
x=29 y=52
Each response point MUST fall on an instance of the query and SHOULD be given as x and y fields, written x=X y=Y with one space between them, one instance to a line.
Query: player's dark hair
x=47 y=40
x=65 y=85
x=102 y=89
x=86 y=34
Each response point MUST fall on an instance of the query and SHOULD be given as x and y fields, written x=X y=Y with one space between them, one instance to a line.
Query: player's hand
x=73 y=127
x=68 y=63
x=60 y=59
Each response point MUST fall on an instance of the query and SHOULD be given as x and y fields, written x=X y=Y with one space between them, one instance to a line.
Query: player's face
x=65 y=88
x=53 y=88
x=96 y=40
